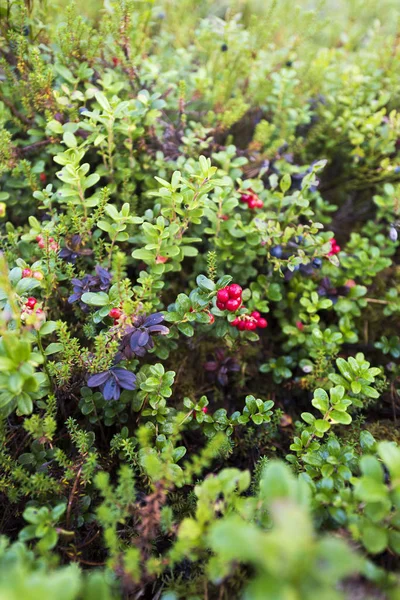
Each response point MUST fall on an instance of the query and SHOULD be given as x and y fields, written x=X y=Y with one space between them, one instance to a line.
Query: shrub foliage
x=199 y=294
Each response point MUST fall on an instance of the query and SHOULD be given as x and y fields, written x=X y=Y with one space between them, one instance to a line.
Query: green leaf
x=186 y=329
x=336 y=394
x=355 y=387
x=257 y=419
x=53 y=348
x=102 y=100
x=321 y=400
x=344 y=369
x=48 y=328
x=205 y=284
x=70 y=140
x=374 y=538
x=369 y=489
x=340 y=417
x=98 y=299
x=24 y=403
x=321 y=426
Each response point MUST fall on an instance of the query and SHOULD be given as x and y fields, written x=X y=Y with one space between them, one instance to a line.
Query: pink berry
x=37 y=275
x=233 y=304
x=299 y=325
x=262 y=323
x=204 y=410
x=234 y=291
x=26 y=273
x=223 y=295
x=259 y=203
x=255 y=314
x=41 y=243
x=115 y=313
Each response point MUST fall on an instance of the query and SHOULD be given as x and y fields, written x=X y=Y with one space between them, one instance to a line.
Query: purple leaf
x=134 y=340
x=98 y=379
x=158 y=329
x=125 y=378
x=111 y=390
x=153 y=319
x=143 y=338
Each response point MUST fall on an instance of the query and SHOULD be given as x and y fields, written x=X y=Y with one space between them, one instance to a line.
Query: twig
x=71 y=496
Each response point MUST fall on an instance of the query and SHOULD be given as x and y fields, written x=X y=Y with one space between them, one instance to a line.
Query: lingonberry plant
x=199 y=300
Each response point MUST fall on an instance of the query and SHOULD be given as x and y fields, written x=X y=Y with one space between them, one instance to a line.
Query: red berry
x=299 y=325
x=233 y=304
x=115 y=61
x=115 y=313
x=262 y=323
x=259 y=203
x=223 y=295
x=252 y=203
x=251 y=325
x=234 y=290
x=26 y=273
x=245 y=198
x=221 y=305
x=42 y=177
x=335 y=248
x=30 y=303
x=204 y=410
x=37 y=275
x=241 y=325
x=39 y=238
x=41 y=243
x=255 y=314
x=39 y=311
x=235 y=322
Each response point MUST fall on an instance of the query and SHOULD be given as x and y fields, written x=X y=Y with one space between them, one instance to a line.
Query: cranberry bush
x=199 y=296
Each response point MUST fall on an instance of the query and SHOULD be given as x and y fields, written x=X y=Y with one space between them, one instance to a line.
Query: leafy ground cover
x=199 y=293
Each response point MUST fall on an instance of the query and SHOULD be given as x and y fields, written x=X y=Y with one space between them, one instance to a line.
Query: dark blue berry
x=317 y=263
x=224 y=47
x=276 y=251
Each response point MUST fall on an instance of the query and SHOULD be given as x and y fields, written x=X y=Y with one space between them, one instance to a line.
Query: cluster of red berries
x=115 y=313
x=29 y=273
x=29 y=308
x=250 y=322
x=52 y=244
x=251 y=199
x=230 y=297
x=335 y=248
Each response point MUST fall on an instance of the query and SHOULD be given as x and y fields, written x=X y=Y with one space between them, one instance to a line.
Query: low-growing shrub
x=199 y=294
